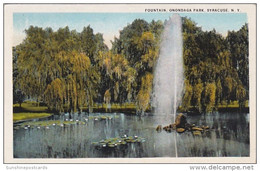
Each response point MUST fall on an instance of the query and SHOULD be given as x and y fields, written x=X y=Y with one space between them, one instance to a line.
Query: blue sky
x=109 y=24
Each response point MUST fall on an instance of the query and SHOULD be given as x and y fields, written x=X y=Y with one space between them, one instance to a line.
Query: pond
x=83 y=137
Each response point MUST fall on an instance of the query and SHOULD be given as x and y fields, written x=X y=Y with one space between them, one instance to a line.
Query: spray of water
x=169 y=75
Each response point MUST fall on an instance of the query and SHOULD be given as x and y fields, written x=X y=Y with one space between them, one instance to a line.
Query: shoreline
x=29 y=119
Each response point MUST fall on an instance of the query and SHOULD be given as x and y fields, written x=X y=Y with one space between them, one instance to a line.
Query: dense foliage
x=216 y=68
x=69 y=70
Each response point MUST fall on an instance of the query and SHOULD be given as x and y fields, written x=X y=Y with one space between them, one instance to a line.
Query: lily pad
x=114 y=142
x=103 y=117
x=123 y=142
x=111 y=145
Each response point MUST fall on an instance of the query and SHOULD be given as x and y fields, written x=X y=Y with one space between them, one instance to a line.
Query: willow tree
x=53 y=69
x=209 y=97
x=241 y=95
x=80 y=80
x=36 y=56
x=54 y=95
x=197 y=92
x=107 y=99
x=228 y=87
x=218 y=92
x=139 y=43
x=144 y=94
x=186 y=101
x=82 y=69
x=238 y=43
x=115 y=71
x=129 y=83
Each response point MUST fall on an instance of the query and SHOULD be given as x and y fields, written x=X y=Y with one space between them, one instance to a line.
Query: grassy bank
x=233 y=104
x=32 y=110
x=233 y=107
x=29 y=106
x=29 y=110
x=28 y=116
x=223 y=107
x=129 y=108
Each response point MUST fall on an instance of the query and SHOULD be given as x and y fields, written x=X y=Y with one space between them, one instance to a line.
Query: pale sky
x=109 y=24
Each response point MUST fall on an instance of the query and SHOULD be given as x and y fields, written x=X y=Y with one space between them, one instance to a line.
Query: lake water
x=228 y=136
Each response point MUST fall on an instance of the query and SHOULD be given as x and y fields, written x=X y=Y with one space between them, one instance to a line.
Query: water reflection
x=228 y=136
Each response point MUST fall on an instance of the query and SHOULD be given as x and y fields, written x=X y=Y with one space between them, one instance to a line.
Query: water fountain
x=169 y=75
x=169 y=72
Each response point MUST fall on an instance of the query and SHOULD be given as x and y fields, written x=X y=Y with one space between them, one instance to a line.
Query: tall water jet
x=169 y=76
x=169 y=72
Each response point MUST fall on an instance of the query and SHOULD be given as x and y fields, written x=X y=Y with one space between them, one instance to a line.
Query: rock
x=188 y=126
x=205 y=127
x=196 y=133
x=196 y=129
x=165 y=128
x=172 y=126
x=180 y=121
x=159 y=128
x=168 y=129
x=180 y=130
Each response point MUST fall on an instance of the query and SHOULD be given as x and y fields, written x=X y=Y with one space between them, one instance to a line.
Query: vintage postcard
x=130 y=83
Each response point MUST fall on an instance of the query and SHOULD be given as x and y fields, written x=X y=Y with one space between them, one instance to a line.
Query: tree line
x=68 y=70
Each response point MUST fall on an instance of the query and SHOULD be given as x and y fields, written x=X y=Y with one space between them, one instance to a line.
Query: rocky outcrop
x=188 y=126
x=180 y=130
x=180 y=121
x=196 y=133
x=159 y=128
x=204 y=127
x=168 y=128
x=196 y=129
x=172 y=126
x=181 y=125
